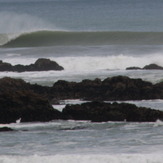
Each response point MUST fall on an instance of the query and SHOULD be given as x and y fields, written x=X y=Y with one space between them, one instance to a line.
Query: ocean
x=90 y=39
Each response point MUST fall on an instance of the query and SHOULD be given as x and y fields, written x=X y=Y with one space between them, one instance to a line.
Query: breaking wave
x=122 y=158
x=52 y=38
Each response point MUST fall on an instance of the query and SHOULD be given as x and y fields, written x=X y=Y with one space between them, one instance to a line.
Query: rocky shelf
x=103 y=112
x=29 y=102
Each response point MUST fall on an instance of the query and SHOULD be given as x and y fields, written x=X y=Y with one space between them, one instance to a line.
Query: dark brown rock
x=17 y=100
x=115 y=88
x=5 y=66
x=43 y=64
x=103 y=112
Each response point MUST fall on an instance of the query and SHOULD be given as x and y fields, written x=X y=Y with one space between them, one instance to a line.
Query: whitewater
x=90 y=39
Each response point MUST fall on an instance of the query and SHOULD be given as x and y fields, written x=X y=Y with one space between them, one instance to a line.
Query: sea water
x=90 y=39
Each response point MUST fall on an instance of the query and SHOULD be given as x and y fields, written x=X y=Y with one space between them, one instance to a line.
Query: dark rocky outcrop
x=103 y=112
x=42 y=64
x=153 y=67
x=5 y=129
x=147 y=67
x=115 y=88
x=17 y=100
x=109 y=89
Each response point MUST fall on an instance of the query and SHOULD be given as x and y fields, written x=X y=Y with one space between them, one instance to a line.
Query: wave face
x=52 y=38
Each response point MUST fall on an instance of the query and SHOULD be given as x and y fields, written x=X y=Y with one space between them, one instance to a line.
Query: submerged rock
x=5 y=129
x=42 y=64
x=133 y=68
x=147 y=67
x=103 y=112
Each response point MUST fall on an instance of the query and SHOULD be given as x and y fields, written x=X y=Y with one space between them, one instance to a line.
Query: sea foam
x=121 y=158
x=89 y=63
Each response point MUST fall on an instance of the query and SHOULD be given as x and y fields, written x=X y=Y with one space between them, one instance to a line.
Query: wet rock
x=42 y=64
x=115 y=88
x=5 y=66
x=153 y=67
x=17 y=100
x=30 y=102
x=5 y=129
x=147 y=67
x=110 y=89
x=103 y=112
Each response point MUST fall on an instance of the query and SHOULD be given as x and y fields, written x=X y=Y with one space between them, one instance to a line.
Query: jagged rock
x=17 y=100
x=115 y=88
x=42 y=64
x=29 y=102
x=103 y=112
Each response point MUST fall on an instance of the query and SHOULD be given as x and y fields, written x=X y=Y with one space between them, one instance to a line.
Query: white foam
x=117 y=158
x=107 y=62
x=86 y=67
x=158 y=123
x=59 y=107
x=155 y=104
x=80 y=62
x=13 y=55
x=63 y=103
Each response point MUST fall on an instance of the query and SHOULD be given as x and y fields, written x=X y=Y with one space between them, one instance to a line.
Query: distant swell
x=52 y=38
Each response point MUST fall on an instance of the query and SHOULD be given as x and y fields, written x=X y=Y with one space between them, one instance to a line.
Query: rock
x=147 y=67
x=5 y=66
x=103 y=112
x=115 y=88
x=110 y=89
x=42 y=64
x=30 y=102
x=153 y=67
x=133 y=68
x=17 y=100
x=4 y=129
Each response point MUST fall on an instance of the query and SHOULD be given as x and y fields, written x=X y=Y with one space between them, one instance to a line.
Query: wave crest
x=52 y=38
